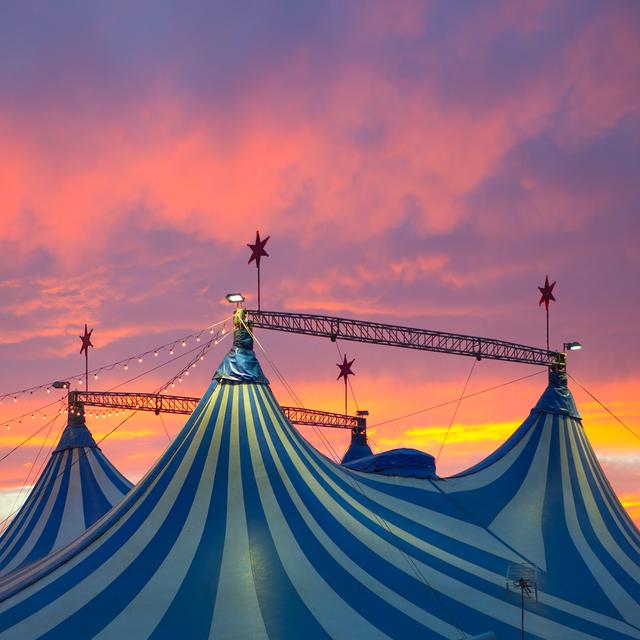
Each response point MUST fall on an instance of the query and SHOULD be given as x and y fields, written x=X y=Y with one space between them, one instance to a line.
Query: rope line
x=445 y=404
x=613 y=415
x=455 y=411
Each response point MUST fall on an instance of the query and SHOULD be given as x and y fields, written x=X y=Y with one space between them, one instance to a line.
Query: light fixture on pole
x=572 y=346
x=238 y=298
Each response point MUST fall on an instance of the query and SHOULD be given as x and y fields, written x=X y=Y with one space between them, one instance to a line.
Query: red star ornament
x=257 y=249
x=345 y=369
x=547 y=293
x=86 y=340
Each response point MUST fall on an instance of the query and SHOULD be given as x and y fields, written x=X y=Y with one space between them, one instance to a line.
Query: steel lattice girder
x=406 y=337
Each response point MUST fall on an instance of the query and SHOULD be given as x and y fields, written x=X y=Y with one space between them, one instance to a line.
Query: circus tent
x=243 y=530
x=77 y=486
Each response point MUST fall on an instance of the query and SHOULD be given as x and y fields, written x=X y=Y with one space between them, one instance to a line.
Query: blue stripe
x=617 y=519
x=94 y=502
x=284 y=613
x=50 y=531
x=567 y=576
x=116 y=478
x=197 y=594
x=586 y=527
x=28 y=516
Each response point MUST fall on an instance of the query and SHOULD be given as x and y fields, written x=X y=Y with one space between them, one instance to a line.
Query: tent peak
x=75 y=434
x=557 y=398
x=241 y=364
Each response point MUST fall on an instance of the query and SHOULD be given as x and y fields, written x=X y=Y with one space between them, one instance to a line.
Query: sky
x=418 y=163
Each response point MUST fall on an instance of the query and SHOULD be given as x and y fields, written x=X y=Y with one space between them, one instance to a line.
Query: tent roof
x=77 y=486
x=242 y=529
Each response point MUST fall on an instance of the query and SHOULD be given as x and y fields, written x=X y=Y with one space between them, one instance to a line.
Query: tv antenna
x=522 y=579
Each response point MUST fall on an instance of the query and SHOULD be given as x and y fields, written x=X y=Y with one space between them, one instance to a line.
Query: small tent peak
x=241 y=364
x=75 y=434
x=358 y=448
x=557 y=398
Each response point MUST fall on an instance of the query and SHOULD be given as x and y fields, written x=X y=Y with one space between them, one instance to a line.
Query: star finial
x=345 y=369
x=547 y=293
x=257 y=249
x=86 y=340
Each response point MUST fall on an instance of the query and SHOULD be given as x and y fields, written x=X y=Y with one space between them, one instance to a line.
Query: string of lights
x=201 y=351
x=39 y=412
x=169 y=347
x=171 y=383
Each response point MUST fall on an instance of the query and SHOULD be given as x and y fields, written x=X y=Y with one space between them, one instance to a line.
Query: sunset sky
x=420 y=163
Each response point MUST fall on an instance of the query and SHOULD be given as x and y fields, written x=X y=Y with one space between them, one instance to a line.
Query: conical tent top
x=241 y=364
x=75 y=434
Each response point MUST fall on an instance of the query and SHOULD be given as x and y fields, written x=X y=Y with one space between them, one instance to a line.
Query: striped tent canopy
x=77 y=486
x=243 y=530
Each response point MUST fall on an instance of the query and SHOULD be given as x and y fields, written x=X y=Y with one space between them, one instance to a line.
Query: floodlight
x=572 y=346
x=234 y=298
x=61 y=384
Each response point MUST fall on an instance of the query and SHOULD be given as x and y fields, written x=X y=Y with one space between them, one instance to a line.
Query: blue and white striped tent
x=243 y=530
x=77 y=486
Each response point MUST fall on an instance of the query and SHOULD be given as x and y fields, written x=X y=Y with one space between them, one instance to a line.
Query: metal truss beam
x=185 y=405
x=406 y=337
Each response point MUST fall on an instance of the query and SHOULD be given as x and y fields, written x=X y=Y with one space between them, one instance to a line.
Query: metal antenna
x=522 y=580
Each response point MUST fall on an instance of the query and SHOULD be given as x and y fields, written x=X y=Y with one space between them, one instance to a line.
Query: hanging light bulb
x=140 y=359
x=171 y=352
x=79 y=380
x=186 y=373
x=126 y=366
x=184 y=344
x=15 y=398
x=95 y=376
x=173 y=385
x=198 y=339
x=180 y=379
x=155 y=353
x=48 y=390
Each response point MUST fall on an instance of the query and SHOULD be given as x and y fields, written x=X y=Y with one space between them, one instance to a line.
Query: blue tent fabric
x=75 y=435
x=77 y=486
x=409 y=463
x=358 y=447
x=241 y=364
x=243 y=530
x=356 y=451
